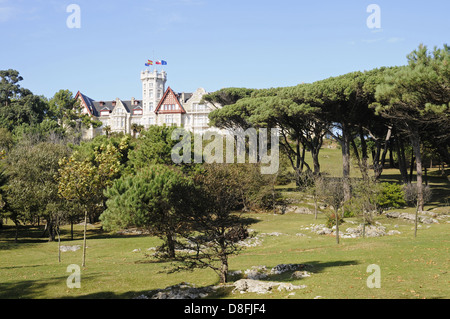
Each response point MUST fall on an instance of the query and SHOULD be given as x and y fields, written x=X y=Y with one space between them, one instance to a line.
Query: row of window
x=198 y=120
x=199 y=107
x=150 y=85
x=118 y=122
x=150 y=93
x=170 y=107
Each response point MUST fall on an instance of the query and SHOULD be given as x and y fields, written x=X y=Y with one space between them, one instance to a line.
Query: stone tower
x=153 y=88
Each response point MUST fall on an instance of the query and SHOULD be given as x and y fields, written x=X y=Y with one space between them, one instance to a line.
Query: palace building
x=159 y=105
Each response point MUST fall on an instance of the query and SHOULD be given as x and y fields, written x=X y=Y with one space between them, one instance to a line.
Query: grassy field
x=410 y=267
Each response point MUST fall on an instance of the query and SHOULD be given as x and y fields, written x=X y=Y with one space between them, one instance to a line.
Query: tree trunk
x=315 y=206
x=380 y=165
x=361 y=165
x=17 y=231
x=224 y=269
x=411 y=167
x=170 y=246
x=364 y=155
x=415 y=141
x=401 y=159
x=59 y=241
x=315 y=159
x=387 y=143
x=364 y=224
x=345 y=145
x=51 y=230
x=337 y=225
x=391 y=157
x=83 y=263
x=416 y=217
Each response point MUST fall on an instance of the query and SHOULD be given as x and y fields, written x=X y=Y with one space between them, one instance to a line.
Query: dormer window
x=104 y=112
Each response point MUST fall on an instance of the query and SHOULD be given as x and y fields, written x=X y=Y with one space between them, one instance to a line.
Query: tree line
x=387 y=109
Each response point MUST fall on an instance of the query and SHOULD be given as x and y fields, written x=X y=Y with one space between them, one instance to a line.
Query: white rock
x=300 y=274
x=69 y=248
x=262 y=287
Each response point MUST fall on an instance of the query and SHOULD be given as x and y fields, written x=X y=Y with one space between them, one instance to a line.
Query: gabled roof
x=169 y=92
x=94 y=107
x=87 y=101
x=187 y=96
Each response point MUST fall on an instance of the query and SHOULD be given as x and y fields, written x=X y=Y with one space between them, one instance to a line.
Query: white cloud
x=6 y=13
x=372 y=40
x=395 y=40
x=192 y=2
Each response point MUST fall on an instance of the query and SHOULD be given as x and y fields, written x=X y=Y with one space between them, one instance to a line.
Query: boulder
x=282 y=268
x=262 y=287
x=300 y=274
x=412 y=217
x=181 y=291
x=256 y=272
x=69 y=248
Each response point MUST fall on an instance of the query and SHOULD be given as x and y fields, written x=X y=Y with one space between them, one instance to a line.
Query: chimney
x=132 y=101
x=102 y=103
x=113 y=103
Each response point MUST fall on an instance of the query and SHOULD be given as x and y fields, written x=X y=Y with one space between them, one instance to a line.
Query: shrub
x=391 y=195
x=331 y=220
x=410 y=193
x=349 y=209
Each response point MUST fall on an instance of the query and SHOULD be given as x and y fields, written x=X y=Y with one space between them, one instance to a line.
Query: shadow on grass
x=33 y=235
x=226 y=291
x=27 y=234
x=34 y=289
x=31 y=289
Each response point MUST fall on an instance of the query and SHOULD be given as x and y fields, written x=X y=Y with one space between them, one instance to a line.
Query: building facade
x=159 y=105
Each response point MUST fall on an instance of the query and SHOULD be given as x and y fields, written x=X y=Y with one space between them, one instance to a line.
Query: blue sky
x=208 y=43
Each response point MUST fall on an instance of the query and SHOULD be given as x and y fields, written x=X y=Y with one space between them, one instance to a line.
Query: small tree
x=31 y=188
x=365 y=196
x=333 y=195
x=412 y=196
x=315 y=189
x=83 y=182
x=216 y=224
x=107 y=130
x=157 y=199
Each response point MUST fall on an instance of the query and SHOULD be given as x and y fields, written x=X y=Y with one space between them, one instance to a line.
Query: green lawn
x=410 y=267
